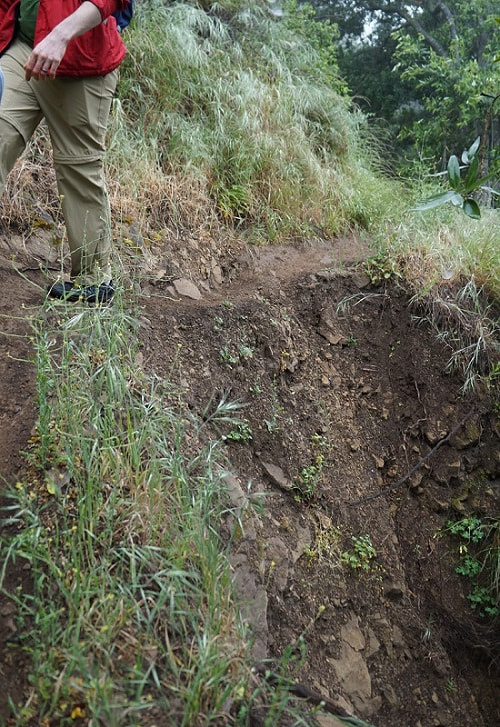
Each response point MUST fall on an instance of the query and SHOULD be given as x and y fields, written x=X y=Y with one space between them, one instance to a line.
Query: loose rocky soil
x=351 y=427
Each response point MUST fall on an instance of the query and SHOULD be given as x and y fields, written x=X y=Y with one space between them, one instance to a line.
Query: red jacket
x=96 y=52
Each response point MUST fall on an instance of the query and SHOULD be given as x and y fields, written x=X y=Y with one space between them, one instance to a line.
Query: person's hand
x=48 y=53
x=46 y=57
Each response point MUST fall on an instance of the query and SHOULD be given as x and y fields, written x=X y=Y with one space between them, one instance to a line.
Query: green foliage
x=484 y=602
x=306 y=482
x=455 y=81
x=497 y=21
x=231 y=355
x=117 y=518
x=301 y=21
x=470 y=529
x=380 y=268
x=362 y=554
x=426 y=68
x=240 y=433
x=482 y=568
x=130 y=616
x=469 y=567
x=463 y=185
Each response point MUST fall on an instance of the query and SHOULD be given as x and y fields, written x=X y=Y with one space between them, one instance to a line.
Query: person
x=1 y=84
x=60 y=61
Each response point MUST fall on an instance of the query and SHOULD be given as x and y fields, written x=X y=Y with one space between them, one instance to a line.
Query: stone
x=159 y=274
x=367 y=707
x=217 y=274
x=352 y=635
x=253 y=603
x=277 y=476
x=440 y=506
x=467 y=436
x=135 y=234
x=360 y=280
x=372 y=644
x=416 y=480
x=390 y=696
x=353 y=675
x=458 y=506
x=328 y=720
x=237 y=497
x=8 y=610
x=278 y=562
x=187 y=289
x=40 y=247
x=397 y=637
x=434 y=432
x=303 y=540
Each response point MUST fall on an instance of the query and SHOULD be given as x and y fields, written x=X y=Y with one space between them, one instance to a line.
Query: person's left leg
x=76 y=112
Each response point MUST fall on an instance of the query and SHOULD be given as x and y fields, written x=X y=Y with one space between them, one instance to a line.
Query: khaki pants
x=76 y=111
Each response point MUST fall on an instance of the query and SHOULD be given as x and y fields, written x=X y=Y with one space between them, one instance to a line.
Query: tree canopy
x=427 y=67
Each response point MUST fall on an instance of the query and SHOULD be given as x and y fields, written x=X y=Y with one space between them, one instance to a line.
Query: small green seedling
x=362 y=555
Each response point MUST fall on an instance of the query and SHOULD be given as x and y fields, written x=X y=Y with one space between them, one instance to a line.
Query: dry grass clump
x=31 y=188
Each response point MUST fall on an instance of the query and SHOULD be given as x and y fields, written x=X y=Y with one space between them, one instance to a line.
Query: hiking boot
x=60 y=290
x=101 y=294
x=87 y=294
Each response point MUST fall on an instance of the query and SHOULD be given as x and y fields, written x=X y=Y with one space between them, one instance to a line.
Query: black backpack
x=123 y=17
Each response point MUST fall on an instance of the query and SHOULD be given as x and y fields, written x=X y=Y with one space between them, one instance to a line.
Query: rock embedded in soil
x=187 y=289
x=352 y=635
x=467 y=436
x=302 y=541
x=278 y=562
x=381 y=398
x=253 y=600
x=277 y=476
x=328 y=720
x=394 y=591
x=435 y=432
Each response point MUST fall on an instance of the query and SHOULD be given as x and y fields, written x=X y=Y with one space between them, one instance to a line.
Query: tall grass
x=236 y=104
x=131 y=610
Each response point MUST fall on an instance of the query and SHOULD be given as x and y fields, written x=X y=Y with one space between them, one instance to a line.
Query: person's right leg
x=76 y=111
x=20 y=112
